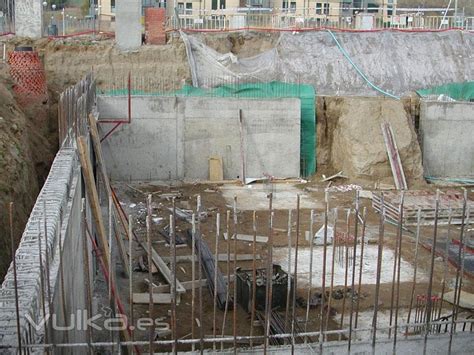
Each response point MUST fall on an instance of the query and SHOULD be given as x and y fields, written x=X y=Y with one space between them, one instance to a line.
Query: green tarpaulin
x=270 y=90
x=457 y=91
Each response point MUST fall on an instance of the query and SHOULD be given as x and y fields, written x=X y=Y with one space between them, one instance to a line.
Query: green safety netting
x=305 y=93
x=457 y=91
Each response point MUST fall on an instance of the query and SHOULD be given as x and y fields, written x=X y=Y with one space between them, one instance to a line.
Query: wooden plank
x=165 y=271
x=188 y=285
x=158 y=298
x=248 y=238
x=466 y=299
x=94 y=132
x=397 y=157
x=217 y=283
x=339 y=174
x=220 y=257
x=94 y=203
x=93 y=197
x=394 y=157
x=216 y=171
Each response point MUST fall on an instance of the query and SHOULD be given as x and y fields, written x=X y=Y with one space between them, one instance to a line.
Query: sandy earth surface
x=213 y=201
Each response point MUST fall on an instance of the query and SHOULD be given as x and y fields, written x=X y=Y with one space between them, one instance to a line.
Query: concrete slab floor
x=254 y=197
x=368 y=270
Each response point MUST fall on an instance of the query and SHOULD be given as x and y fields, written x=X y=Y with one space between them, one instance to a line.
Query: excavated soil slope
x=350 y=138
x=18 y=177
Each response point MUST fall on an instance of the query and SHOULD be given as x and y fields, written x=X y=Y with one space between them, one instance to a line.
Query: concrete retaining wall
x=59 y=207
x=173 y=137
x=447 y=138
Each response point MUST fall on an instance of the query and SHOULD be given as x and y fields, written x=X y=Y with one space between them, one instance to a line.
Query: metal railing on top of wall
x=308 y=20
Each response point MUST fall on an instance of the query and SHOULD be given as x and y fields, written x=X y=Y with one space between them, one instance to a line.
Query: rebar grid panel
x=52 y=209
x=75 y=104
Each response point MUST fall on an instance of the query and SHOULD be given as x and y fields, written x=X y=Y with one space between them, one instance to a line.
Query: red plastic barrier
x=27 y=72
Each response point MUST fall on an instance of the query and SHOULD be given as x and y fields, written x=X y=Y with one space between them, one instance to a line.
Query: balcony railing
x=305 y=19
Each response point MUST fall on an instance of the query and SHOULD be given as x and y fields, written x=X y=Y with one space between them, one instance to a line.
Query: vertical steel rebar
x=430 y=282
x=111 y=263
x=323 y=281
x=201 y=329
x=354 y=255
x=193 y=279
x=174 y=329
x=295 y=282
x=446 y=261
x=48 y=275
x=457 y=286
x=43 y=286
x=379 y=270
x=87 y=289
x=397 y=297
x=346 y=267
x=15 y=280
x=463 y=255
x=234 y=313
x=226 y=308
x=288 y=288
x=359 y=284
x=61 y=275
x=269 y=275
x=308 y=296
x=254 y=276
x=417 y=241
x=395 y=263
x=150 y=274
x=214 y=326
x=331 y=286
x=130 y=278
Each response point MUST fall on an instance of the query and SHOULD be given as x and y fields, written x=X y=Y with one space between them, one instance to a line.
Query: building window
x=346 y=6
x=289 y=6
x=326 y=9
x=322 y=8
x=185 y=8
x=293 y=6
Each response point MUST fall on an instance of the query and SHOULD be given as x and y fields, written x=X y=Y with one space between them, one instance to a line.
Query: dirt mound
x=354 y=142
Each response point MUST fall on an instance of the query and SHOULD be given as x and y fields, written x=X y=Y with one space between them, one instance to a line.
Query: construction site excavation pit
x=195 y=200
x=306 y=190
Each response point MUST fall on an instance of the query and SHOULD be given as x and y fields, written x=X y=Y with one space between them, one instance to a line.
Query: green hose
x=375 y=87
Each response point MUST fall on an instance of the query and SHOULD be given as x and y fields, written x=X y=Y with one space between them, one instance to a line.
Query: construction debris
x=450 y=201
x=209 y=266
x=247 y=238
x=338 y=175
x=158 y=298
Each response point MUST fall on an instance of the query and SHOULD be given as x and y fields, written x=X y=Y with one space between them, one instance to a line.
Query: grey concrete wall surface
x=447 y=131
x=128 y=28
x=173 y=137
x=57 y=215
x=29 y=18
